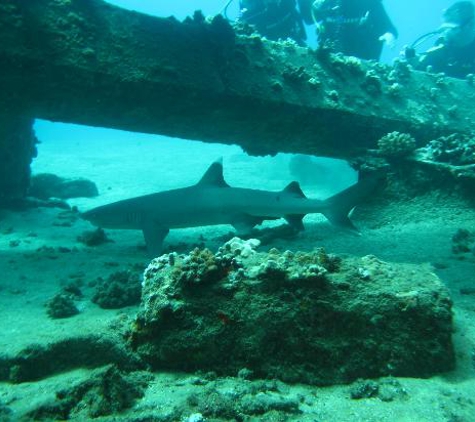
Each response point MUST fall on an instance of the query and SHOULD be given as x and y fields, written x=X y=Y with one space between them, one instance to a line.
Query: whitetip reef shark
x=212 y=201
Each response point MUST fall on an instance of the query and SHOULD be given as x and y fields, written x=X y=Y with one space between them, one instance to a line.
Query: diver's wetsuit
x=352 y=27
x=274 y=19
x=457 y=62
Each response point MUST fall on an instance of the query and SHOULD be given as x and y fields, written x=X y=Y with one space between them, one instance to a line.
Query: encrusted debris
x=299 y=316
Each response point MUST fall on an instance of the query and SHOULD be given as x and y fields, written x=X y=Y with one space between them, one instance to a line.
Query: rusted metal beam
x=88 y=62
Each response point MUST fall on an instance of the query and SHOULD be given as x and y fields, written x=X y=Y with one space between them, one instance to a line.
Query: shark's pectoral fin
x=154 y=236
x=244 y=223
x=295 y=221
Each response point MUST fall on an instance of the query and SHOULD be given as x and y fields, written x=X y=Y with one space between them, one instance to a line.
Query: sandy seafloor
x=131 y=165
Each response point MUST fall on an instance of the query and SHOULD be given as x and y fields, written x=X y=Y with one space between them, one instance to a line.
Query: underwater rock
x=364 y=389
x=5 y=413
x=46 y=185
x=463 y=241
x=38 y=361
x=302 y=317
x=93 y=237
x=73 y=289
x=61 y=306
x=122 y=288
x=108 y=391
x=388 y=389
x=250 y=398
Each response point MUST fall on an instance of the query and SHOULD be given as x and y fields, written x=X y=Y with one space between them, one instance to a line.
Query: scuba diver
x=274 y=19
x=454 y=51
x=353 y=27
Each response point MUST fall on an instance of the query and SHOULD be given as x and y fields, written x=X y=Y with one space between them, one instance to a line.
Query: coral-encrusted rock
x=122 y=288
x=302 y=317
x=456 y=149
x=396 y=145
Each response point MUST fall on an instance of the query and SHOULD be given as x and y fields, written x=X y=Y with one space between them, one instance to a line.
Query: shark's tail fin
x=340 y=205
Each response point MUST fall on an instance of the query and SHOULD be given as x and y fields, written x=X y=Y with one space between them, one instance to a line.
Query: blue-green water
x=43 y=254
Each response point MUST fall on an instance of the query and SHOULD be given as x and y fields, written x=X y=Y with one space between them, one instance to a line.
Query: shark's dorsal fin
x=214 y=176
x=294 y=189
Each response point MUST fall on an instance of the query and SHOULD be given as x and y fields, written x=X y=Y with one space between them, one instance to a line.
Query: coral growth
x=372 y=83
x=294 y=74
x=342 y=63
x=396 y=145
x=122 y=288
x=289 y=266
x=456 y=149
x=61 y=306
x=401 y=71
x=199 y=267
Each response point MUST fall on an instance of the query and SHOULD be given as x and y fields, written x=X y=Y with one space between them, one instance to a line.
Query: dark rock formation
x=108 y=391
x=39 y=361
x=46 y=186
x=17 y=149
x=303 y=317
x=94 y=237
